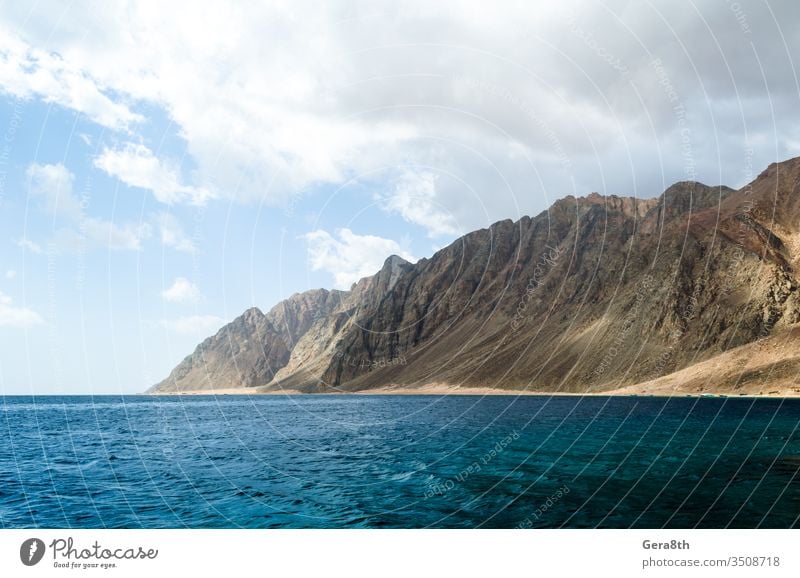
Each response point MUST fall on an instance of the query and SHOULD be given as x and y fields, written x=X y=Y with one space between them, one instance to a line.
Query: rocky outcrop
x=597 y=293
x=250 y=350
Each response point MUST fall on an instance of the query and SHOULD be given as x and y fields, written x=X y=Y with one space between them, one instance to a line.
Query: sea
x=378 y=461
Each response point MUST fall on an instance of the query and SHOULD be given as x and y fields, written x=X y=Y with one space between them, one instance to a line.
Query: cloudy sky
x=164 y=167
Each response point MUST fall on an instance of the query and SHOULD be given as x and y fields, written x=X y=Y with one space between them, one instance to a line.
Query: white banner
x=401 y=553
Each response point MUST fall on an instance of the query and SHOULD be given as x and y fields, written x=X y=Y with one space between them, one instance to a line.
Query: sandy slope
x=769 y=366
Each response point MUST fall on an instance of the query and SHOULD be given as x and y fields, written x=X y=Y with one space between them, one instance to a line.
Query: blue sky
x=164 y=167
x=111 y=287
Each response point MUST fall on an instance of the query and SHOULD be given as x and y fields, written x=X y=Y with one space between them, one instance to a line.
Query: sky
x=166 y=165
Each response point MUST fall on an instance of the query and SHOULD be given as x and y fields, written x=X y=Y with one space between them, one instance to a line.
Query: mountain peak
x=685 y=196
x=252 y=313
x=395 y=260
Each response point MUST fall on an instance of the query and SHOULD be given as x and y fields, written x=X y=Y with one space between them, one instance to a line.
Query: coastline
x=760 y=369
x=440 y=389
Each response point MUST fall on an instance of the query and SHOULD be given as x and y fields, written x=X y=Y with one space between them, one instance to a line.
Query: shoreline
x=446 y=390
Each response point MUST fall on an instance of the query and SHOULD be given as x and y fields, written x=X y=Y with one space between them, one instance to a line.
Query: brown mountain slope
x=767 y=366
x=252 y=348
x=595 y=294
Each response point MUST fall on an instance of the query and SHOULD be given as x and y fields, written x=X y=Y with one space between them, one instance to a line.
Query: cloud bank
x=524 y=102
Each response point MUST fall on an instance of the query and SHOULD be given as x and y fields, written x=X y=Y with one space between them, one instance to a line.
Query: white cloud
x=26 y=71
x=524 y=104
x=29 y=245
x=414 y=198
x=172 y=233
x=351 y=256
x=197 y=326
x=11 y=274
x=125 y=237
x=19 y=317
x=53 y=185
x=137 y=166
x=182 y=291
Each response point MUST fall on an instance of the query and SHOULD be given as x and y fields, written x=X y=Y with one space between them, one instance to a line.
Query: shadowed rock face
x=594 y=294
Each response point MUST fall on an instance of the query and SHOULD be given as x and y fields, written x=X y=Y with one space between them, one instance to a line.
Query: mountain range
x=692 y=292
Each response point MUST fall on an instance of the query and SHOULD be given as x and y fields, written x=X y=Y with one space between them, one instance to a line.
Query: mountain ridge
x=594 y=294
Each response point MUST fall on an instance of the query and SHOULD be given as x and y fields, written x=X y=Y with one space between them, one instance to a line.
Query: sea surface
x=398 y=462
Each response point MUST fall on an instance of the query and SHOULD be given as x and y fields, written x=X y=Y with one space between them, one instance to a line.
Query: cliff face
x=594 y=294
x=253 y=347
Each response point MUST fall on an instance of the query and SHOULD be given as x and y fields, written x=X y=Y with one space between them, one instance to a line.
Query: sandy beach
x=646 y=390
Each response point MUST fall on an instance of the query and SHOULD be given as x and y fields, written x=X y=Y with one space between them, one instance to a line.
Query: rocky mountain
x=597 y=293
x=251 y=349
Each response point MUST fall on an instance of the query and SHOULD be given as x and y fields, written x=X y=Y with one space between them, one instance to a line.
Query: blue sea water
x=398 y=462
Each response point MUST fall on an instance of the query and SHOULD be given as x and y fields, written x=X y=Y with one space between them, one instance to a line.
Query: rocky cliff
x=250 y=350
x=595 y=294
